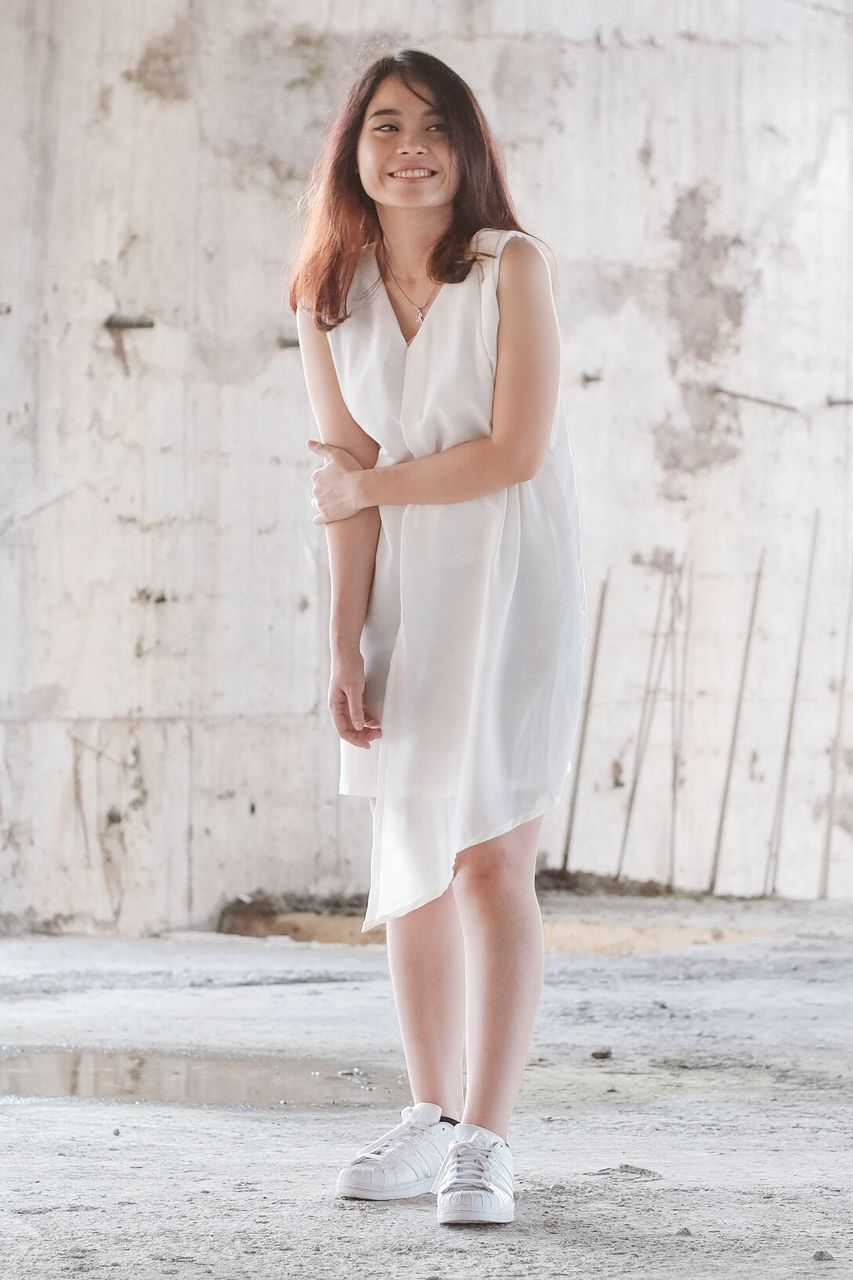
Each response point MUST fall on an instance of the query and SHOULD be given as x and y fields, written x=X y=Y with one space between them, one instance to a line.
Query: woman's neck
x=406 y=250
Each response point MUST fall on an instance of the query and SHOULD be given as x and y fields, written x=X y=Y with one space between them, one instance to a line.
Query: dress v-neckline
x=408 y=343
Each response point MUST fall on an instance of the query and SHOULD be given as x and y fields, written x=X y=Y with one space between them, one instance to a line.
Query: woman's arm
x=527 y=383
x=464 y=471
x=351 y=543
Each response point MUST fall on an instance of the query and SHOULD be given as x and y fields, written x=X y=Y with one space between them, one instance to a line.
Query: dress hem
x=543 y=806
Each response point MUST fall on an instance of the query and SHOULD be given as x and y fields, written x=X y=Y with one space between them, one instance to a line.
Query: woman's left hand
x=336 y=489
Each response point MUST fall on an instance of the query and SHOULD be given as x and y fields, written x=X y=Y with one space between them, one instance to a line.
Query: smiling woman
x=408 y=173
x=431 y=348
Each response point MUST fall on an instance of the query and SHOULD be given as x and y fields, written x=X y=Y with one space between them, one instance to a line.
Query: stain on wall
x=165 y=66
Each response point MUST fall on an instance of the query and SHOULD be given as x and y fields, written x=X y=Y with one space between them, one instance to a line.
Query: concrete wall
x=163 y=590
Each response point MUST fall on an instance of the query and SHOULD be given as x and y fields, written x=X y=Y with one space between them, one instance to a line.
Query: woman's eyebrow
x=392 y=111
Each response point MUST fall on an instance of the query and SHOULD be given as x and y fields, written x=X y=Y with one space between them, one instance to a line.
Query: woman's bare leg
x=504 y=965
x=427 y=964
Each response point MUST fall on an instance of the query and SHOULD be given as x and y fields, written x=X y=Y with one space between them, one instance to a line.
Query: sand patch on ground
x=581 y=937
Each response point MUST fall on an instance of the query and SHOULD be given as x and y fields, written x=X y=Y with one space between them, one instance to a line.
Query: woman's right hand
x=346 y=701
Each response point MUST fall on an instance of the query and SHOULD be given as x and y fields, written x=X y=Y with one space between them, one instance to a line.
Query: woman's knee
x=489 y=870
x=499 y=865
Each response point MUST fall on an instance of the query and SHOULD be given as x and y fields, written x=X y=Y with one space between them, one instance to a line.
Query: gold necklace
x=420 y=310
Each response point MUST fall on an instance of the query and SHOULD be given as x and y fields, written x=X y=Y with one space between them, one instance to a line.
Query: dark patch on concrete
x=18 y=924
x=103 y=108
x=113 y=857
x=590 y=884
x=248 y=912
x=164 y=68
x=138 y=789
x=44 y=702
x=247 y=115
x=706 y=293
x=661 y=559
x=307 y=45
x=131 y=240
x=706 y=307
x=754 y=774
x=645 y=155
x=252 y=914
x=844 y=812
x=636 y=1171
x=708 y=435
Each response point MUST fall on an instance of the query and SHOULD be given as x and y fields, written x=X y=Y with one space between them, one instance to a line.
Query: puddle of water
x=186 y=1079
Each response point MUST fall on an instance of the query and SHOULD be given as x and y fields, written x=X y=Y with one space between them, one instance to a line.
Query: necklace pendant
x=420 y=316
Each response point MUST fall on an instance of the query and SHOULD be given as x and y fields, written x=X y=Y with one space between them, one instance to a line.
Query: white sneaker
x=404 y=1161
x=475 y=1182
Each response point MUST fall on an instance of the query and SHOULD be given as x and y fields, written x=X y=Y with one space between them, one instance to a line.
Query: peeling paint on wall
x=706 y=307
x=709 y=437
x=706 y=293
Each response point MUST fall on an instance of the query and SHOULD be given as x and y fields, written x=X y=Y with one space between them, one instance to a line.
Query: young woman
x=431 y=353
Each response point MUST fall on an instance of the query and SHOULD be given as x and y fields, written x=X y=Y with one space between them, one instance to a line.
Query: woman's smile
x=413 y=175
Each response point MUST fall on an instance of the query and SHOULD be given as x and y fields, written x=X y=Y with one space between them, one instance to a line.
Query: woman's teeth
x=412 y=173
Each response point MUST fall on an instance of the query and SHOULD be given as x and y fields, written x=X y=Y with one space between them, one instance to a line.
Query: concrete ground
x=180 y=1105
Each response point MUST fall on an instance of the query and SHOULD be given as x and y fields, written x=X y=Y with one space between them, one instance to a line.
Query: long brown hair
x=341 y=217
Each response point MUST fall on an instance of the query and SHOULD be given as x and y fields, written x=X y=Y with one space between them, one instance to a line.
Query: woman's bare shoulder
x=524 y=268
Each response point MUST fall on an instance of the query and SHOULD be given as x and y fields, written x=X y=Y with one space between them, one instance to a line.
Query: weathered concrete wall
x=163 y=590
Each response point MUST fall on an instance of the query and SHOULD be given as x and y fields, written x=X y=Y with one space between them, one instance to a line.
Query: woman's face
x=402 y=132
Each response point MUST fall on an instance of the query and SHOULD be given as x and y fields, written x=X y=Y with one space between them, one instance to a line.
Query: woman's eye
x=388 y=125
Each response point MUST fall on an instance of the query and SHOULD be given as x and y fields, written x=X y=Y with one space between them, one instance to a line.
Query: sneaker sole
x=384 y=1193
x=447 y=1217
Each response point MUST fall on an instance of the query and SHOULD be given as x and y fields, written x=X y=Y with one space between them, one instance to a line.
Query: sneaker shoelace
x=394 y=1140
x=469 y=1167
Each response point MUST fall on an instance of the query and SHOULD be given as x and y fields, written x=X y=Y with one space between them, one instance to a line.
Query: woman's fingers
x=344 y=722
x=356 y=714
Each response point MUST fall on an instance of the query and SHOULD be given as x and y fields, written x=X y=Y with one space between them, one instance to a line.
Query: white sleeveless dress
x=476 y=625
